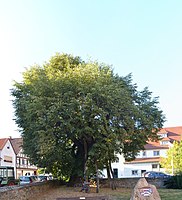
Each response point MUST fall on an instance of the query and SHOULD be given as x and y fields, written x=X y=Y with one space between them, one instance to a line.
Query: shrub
x=174 y=182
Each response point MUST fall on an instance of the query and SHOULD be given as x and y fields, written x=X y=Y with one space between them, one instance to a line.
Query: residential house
x=7 y=153
x=23 y=165
x=148 y=159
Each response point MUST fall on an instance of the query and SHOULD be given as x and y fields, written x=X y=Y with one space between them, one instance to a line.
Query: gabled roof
x=155 y=145
x=165 y=139
x=173 y=134
x=162 y=131
x=144 y=160
x=3 y=141
x=17 y=144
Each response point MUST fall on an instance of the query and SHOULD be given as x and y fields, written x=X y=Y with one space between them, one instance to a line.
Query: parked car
x=23 y=180
x=35 y=177
x=153 y=174
x=7 y=177
x=42 y=178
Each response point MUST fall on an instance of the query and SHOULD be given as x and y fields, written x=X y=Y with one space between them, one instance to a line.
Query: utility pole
x=172 y=164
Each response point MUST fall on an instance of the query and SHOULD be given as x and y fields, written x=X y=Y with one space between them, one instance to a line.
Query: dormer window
x=164 y=142
x=162 y=135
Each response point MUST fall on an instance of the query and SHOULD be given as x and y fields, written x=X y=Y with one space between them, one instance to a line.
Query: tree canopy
x=74 y=113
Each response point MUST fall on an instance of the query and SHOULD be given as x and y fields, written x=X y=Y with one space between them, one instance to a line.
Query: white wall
x=125 y=170
x=8 y=151
x=117 y=165
x=149 y=153
x=128 y=168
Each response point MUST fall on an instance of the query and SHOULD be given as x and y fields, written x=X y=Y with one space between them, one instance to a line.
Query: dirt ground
x=65 y=192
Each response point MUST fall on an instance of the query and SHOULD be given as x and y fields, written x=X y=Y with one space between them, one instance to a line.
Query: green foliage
x=174 y=182
x=173 y=162
x=73 y=113
x=41 y=171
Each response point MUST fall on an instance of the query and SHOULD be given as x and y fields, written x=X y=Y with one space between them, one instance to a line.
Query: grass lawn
x=118 y=194
x=125 y=194
x=170 y=194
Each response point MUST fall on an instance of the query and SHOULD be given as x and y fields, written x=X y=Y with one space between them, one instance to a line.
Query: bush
x=174 y=182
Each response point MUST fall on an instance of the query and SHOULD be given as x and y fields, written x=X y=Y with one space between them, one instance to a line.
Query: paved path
x=85 y=198
x=65 y=192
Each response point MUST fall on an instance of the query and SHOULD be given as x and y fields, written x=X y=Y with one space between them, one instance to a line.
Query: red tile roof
x=162 y=131
x=155 y=145
x=173 y=134
x=17 y=144
x=3 y=142
x=165 y=139
x=144 y=160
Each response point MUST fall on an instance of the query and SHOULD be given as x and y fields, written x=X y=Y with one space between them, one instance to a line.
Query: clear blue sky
x=142 y=37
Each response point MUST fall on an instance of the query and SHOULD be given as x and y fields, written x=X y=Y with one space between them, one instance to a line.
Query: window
x=154 y=166
x=134 y=172
x=164 y=142
x=18 y=161
x=10 y=172
x=138 y=154
x=7 y=171
x=144 y=153
x=163 y=135
x=8 y=159
x=2 y=172
x=115 y=171
x=143 y=171
x=156 y=153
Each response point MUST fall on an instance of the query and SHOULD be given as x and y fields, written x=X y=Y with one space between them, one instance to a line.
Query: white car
x=24 y=180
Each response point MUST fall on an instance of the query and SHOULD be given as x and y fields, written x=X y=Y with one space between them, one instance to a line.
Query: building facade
x=7 y=153
x=23 y=165
x=148 y=159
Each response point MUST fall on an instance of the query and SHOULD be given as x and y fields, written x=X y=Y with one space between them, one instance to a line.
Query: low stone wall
x=26 y=192
x=131 y=182
x=30 y=192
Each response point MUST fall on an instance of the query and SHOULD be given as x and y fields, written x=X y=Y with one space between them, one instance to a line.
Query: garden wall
x=131 y=182
x=32 y=191
x=25 y=192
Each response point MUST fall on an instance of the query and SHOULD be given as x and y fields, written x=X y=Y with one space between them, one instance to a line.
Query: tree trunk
x=108 y=172
x=113 y=185
x=78 y=166
x=85 y=160
x=96 y=167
